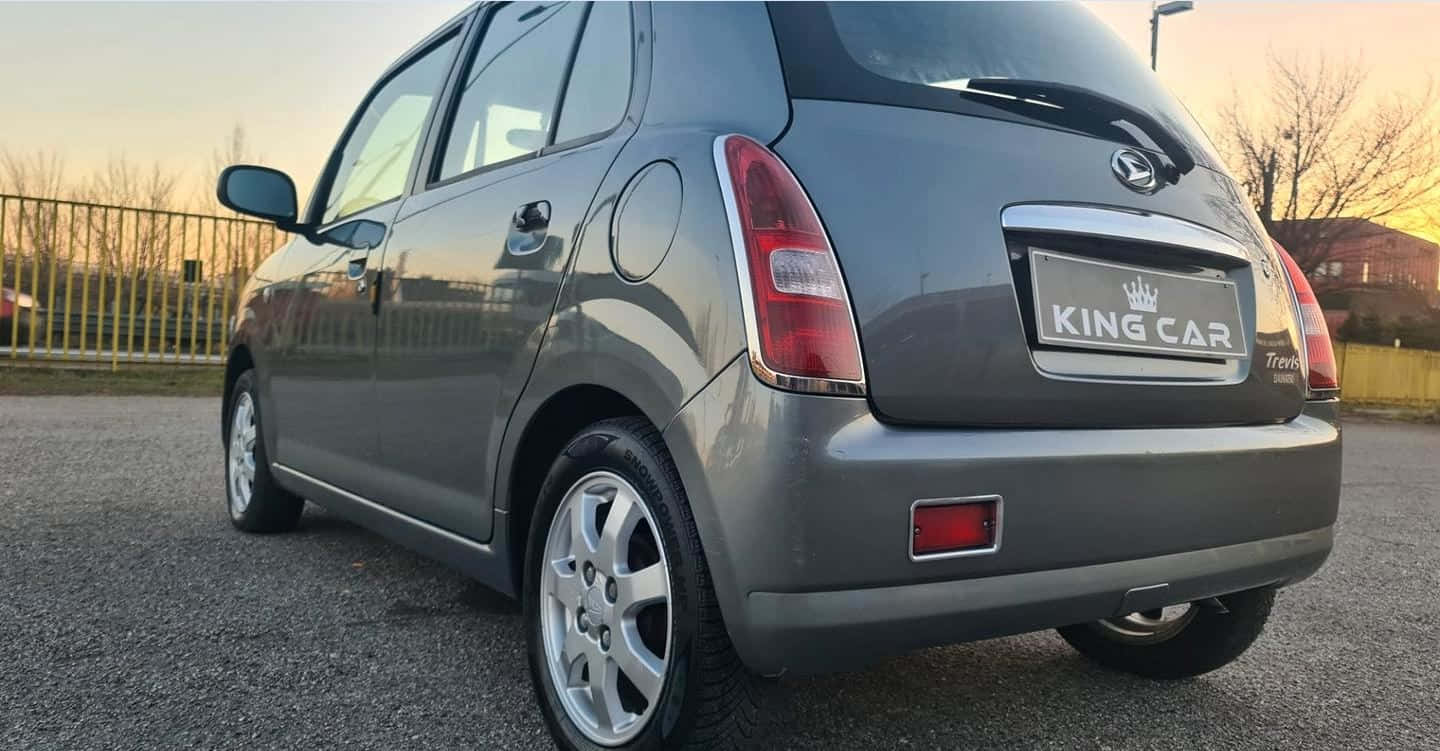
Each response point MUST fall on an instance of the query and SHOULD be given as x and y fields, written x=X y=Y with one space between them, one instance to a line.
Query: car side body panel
x=463 y=314
x=716 y=66
x=659 y=341
x=656 y=342
x=258 y=327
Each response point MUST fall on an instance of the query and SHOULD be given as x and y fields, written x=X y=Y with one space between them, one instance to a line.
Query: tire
x=701 y=696
x=269 y=507
x=1208 y=639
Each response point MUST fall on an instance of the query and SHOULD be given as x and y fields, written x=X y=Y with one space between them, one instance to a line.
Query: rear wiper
x=1079 y=108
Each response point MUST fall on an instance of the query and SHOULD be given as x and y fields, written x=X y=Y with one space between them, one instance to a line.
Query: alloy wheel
x=240 y=468
x=605 y=608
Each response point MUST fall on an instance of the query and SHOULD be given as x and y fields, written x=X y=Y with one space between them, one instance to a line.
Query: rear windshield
x=910 y=54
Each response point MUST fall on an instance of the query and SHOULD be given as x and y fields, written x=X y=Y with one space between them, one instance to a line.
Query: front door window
x=380 y=151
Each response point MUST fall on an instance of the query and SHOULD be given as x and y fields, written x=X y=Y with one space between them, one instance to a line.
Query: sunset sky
x=165 y=82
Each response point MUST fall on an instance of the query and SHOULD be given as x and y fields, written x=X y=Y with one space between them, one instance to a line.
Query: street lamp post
x=1163 y=9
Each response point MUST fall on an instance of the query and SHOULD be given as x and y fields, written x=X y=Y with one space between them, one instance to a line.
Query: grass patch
x=127 y=381
x=1379 y=412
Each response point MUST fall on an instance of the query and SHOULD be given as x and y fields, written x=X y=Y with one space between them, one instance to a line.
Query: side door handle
x=355 y=270
x=528 y=228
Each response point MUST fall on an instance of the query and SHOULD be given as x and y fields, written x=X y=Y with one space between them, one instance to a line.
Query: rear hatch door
x=1004 y=264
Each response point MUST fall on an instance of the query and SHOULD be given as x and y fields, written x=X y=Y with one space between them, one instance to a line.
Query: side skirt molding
x=486 y=563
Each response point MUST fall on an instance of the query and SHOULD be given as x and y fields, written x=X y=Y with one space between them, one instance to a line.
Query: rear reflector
x=798 y=321
x=1323 y=376
x=954 y=527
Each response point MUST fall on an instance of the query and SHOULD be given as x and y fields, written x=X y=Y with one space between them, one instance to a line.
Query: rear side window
x=916 y=54
x=510 y=86
x=377 y=156
x=599 y=87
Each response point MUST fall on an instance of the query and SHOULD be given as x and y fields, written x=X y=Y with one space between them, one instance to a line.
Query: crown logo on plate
x=1142 y=296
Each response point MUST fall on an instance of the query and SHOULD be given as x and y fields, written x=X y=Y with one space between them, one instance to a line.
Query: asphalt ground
x=133 y=616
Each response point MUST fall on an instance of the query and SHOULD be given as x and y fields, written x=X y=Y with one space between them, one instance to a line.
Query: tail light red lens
x=798 y=314
x=1318 y=350
x=962 y=526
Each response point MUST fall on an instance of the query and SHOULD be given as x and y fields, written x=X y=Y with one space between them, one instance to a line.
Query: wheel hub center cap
x=594 y=608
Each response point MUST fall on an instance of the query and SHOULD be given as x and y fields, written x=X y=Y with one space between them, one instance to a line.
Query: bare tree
x=235 y=150
x=40 y=174
x=122 y=182
x=1314 y=151
x=238 y=248
x=37 y=175
x=123 y=240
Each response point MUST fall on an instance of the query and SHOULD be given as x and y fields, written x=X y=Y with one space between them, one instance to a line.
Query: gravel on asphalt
x=133 y=616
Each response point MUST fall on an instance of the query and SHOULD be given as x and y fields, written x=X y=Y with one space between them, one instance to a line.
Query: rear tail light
x=1319 y=353
x=797 y=311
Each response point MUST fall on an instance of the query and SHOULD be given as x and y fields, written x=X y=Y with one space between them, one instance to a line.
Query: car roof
x=441 y=30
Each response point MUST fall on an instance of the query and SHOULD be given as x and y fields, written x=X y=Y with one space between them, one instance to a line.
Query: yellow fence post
x=134 y=287
x=210 y=291
x=195 y=290
x=150 y=243
x=85 y=282
x=119 y=291
x=18 y=280
x=165 y=281
x=100 y=285
x=15 y=316
x=225 y=301
x=34 y=281
x=180 y=292
x=69 y=283
x=53 y=255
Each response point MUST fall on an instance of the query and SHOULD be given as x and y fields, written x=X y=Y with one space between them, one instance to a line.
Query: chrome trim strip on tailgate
x=1134 y=226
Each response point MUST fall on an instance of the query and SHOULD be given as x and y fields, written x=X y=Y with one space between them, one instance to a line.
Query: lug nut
x=611 y=591
x=583 y=622
x=589 y=573
x=604 y=638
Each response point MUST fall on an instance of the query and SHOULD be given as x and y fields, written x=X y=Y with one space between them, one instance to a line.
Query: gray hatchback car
x=743 y=339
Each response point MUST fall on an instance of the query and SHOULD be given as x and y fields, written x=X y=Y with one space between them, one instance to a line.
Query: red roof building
x=1359 y=253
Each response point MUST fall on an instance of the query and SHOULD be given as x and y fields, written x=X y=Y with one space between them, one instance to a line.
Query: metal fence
x=119 y=285
x=90 y=282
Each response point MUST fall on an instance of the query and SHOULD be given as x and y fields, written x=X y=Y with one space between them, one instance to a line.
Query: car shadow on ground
x=337 y=534
x=1018 y=692
x=1030 y=691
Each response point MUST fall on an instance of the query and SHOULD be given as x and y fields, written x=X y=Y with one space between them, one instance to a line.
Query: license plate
x=1081 y=302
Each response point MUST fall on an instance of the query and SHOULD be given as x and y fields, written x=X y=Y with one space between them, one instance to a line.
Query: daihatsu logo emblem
x=593 y=607
x=1135 y=170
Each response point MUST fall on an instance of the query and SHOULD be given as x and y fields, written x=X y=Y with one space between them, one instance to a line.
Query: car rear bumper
x=801 y=503
x=819 y=631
